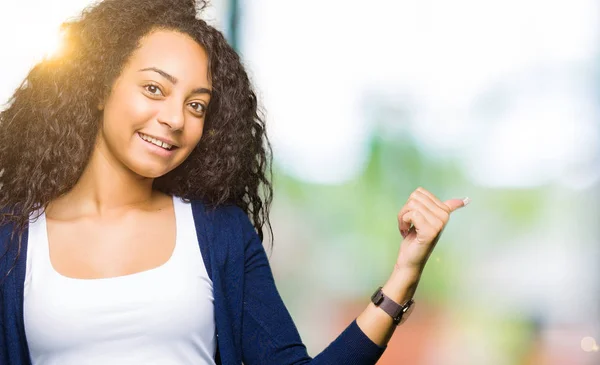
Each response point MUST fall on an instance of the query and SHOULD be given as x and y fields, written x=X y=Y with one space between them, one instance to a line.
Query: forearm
x=377 y=324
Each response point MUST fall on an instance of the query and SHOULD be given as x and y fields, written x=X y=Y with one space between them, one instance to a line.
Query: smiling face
x=154 y=115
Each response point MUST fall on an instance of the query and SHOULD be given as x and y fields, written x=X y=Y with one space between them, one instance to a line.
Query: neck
x=105 y=187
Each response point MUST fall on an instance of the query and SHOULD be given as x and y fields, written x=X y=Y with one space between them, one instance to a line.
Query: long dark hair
x=49 y=126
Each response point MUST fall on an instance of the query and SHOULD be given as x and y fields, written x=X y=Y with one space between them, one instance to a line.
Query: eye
x=199 y=108
x=153 y=90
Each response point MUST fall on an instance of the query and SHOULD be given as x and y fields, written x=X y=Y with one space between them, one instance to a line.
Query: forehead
x=174 y=52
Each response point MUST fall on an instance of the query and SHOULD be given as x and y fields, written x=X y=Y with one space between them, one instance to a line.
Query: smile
x=156 y=142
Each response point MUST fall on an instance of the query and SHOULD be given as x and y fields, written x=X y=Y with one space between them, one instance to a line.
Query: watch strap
x=393 y=309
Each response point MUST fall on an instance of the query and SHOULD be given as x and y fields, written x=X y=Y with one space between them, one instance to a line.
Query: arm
x=269 y=335
x=420 y=222
x=377 y=324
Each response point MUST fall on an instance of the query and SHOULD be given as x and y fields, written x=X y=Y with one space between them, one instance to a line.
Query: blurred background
x=366 y=101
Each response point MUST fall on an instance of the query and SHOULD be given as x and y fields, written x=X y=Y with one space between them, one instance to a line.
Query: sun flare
x=51 y=44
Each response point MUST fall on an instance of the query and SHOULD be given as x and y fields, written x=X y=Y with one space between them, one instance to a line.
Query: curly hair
x=49 y=126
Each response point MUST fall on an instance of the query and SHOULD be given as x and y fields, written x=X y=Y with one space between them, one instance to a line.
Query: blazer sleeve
x=269 y=335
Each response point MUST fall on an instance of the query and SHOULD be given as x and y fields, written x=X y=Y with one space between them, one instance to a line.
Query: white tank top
x=164 y=315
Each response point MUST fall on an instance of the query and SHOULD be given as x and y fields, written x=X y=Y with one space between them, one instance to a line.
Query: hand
x=421 y=222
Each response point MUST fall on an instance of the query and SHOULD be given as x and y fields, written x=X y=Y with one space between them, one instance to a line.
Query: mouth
x=157 y=142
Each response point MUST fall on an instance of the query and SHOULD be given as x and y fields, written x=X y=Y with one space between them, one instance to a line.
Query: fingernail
x=466 y=201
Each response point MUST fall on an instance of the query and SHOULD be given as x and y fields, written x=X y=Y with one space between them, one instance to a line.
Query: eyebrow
x=173 y=80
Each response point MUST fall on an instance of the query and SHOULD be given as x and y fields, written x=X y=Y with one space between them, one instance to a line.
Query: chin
x=150 y=172
x=152 y=168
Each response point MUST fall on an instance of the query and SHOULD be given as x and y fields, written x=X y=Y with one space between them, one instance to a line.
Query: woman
x=130 y=165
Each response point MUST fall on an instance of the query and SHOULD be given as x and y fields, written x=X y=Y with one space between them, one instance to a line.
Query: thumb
x=454 y=204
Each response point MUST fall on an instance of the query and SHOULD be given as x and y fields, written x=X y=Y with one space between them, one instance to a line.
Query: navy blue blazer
x=252 y=323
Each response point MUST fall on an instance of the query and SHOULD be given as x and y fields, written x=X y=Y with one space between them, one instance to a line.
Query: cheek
x=127 y=109
x=192 y=137
x=194 y=132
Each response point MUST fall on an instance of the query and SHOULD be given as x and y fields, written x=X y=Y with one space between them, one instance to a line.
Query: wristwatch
x=398 y=312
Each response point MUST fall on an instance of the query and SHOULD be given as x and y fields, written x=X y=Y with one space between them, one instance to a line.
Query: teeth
x=156 y=142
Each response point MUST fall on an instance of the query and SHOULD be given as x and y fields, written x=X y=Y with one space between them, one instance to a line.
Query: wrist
x=401 y=285
x=407 y=270
x=405 y=274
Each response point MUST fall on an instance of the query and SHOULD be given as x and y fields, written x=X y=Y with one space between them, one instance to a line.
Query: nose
x=171 y=115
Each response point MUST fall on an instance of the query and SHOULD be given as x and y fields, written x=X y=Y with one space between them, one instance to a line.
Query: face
x=154 y=115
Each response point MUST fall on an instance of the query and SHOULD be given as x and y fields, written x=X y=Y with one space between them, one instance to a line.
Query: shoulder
x=7 y=229
x=225 y=220
x=224 y=213
x=11 y=244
